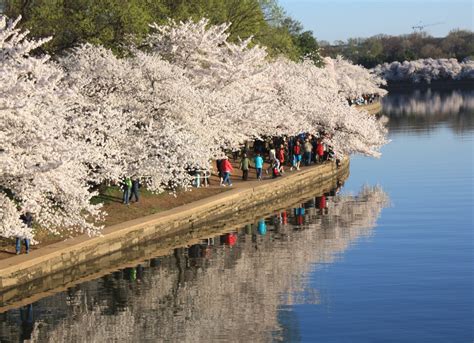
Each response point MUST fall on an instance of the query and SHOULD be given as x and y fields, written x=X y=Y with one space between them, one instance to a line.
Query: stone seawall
x=63 y=263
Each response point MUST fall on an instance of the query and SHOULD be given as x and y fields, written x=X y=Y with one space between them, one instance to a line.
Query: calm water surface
x=386 y=258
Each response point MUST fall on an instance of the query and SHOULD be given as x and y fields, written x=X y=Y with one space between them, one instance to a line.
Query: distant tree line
x=375 y=50
x=112 y=22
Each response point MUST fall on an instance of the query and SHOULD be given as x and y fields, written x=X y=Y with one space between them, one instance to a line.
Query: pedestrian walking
x=126 y=187
x=226 y=170
x=259 y=166
x=134 y=190
x=281 y=157
x=296 y=156
x=271 y=157
x=244 y=166
x=314 y=155
x=291 y=147
x=27 y=219
x=308 y=148
x=219 y=170
x=320 y=151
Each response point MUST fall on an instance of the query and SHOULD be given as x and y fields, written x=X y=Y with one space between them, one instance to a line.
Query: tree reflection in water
x=230 y=287
x=425 y=109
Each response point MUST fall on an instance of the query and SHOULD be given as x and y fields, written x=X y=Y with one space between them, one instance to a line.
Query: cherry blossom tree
x=40 y=166
x=158 y=114
x=426 y=70
x=467 y=70
x=272 y=97
x=204 y=52
x=354 y=80
x=309 y=101
x=232 y=73
x=161 y=135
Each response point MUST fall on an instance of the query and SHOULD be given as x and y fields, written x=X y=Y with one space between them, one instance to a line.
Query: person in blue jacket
x=259 y=166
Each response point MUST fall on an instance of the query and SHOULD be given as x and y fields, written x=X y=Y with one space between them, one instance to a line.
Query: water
x=391 y=263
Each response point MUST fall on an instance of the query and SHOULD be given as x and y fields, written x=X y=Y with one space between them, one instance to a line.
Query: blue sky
x=341 y=19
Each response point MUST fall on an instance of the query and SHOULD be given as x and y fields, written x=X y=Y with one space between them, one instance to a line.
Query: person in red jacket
x=281 y=157
x=320 y=151
x=226 y=170
x=296 y=156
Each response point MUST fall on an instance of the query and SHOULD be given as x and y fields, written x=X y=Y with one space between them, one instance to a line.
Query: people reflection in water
x=335 y=191
x=207 y=244
x=155 y=262
x=262 y=227
x=311 y=203
x=277 y=221
x=229 y=239
x=284 y=218
x=130 y=274
x=321 y=204
x=206 y=252
x=139 y=273
x=248 y=229
x=27 y=322
x=299 y=215
x=198 y=254
x=194 y=251
x=134 y=274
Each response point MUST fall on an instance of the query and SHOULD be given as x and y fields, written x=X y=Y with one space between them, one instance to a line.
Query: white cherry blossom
x=426 y=70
